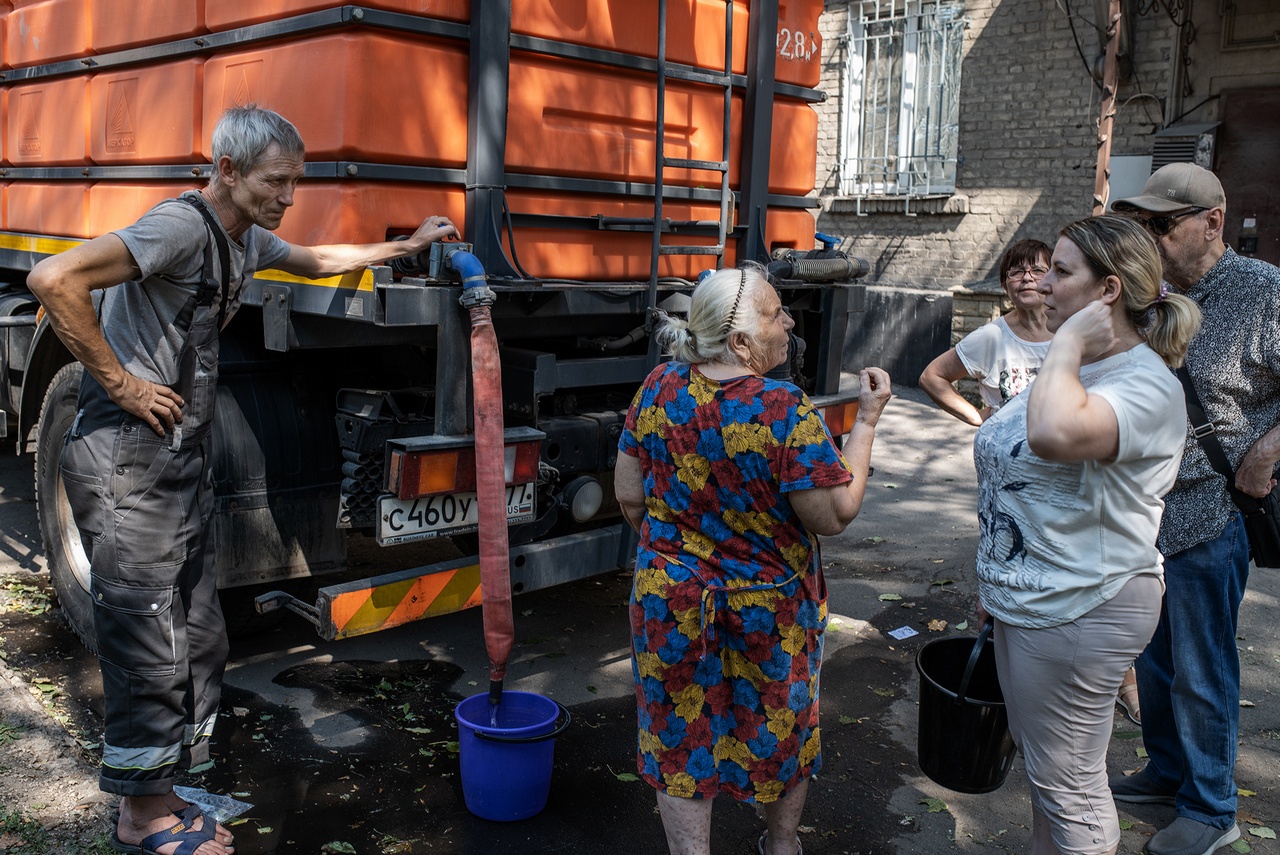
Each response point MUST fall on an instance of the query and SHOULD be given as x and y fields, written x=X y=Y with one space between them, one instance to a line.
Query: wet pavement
x=351 y=746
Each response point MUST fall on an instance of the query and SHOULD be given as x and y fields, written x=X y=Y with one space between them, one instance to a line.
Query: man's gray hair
x=245 y=133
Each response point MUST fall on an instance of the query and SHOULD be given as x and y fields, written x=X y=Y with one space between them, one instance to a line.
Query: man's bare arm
x=333 y=259
x=64 y=284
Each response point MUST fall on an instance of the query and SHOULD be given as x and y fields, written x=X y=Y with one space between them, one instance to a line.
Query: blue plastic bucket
x=506 y=761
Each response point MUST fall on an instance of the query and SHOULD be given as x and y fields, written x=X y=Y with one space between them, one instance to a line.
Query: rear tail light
x=429 y=466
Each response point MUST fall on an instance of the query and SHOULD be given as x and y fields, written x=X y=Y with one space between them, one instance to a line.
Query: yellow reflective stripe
x=374 y=609
x=43 y=245
x=358 y=280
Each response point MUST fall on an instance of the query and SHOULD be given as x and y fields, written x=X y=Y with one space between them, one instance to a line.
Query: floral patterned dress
x=728 y=606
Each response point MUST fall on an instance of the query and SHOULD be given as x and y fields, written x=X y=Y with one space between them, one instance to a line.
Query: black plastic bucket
x=963 y=742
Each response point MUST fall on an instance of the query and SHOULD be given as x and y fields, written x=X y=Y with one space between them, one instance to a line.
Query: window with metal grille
x=901 y=97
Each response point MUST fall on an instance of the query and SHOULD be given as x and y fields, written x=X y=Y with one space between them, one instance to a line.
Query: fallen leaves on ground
x=338 y=847
x=934 y=805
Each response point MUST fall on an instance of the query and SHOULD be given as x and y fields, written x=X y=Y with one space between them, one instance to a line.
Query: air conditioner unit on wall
x=1185 y=144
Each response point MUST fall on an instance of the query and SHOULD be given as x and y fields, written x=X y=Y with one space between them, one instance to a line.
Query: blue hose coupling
x=474 y=290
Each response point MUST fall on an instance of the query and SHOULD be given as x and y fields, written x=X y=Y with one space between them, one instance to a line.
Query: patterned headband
x=733 y=313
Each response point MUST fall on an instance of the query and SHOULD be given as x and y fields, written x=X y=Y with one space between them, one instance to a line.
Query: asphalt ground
x=351 y=746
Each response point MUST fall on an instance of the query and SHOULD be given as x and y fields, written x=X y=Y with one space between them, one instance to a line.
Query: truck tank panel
x=365 y=211
x=695 y=31
x=48 y=208
x=613 y=255
x=40 y=31
x=568 y=119
x=228 y=14
x=695 y=28
x=6 y=8
x=354 y=96
x=114 y=205
x=149 y=114
x=46 y=122
x=121 y=24
x=584 y=120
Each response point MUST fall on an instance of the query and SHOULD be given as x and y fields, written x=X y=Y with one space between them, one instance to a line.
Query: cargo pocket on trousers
x=85 y=496
x=135 y=626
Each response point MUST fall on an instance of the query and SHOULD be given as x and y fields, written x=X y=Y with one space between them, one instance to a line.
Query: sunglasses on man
x=1162 y=225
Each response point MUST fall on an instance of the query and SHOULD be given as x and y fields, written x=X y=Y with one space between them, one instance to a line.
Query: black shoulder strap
x=204 y=295
x=1205 y=433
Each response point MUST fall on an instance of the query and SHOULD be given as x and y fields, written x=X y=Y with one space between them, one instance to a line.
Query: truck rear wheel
x=65 y=554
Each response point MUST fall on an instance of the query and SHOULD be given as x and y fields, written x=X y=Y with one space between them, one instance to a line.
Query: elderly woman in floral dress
x=729 y=476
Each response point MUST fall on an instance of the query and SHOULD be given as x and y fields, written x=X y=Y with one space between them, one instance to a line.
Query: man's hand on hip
x=158 y=406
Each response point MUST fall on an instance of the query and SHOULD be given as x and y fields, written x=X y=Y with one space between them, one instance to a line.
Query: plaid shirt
x=1235 y=364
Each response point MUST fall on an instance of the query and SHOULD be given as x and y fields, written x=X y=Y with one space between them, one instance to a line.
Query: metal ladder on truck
x=661 y=225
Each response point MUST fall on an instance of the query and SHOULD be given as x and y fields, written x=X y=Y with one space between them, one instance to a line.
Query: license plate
x=401 y=520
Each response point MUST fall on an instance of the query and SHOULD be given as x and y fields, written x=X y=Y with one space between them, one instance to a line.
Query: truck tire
x=64 y=553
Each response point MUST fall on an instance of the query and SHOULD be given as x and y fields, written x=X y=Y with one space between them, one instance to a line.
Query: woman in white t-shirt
x=1070 y=479
x=1005 y=354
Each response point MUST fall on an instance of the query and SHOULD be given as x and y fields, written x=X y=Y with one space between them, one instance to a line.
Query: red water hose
x=491 y=489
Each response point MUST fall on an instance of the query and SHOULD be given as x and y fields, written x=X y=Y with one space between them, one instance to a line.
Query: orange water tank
x=120 y=24
x=5 y=8
x=41 y=31
x=115 y=205
x=695 y=28
x=695 y=31
x=58 y=208
x=623 y=255
x=363 y=95
x=147 y=114
x=799 y=46
x=228 y=14
x=572 y=118
x=45 y=122
x=365 y=211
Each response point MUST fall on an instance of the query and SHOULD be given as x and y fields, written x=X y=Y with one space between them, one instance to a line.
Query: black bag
x=1261 y=516
x=1262 y=526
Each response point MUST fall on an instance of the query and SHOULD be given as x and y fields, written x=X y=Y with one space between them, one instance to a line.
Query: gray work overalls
x=144 y=507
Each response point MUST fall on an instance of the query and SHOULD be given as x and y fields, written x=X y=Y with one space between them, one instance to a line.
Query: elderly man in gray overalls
x=136 y=460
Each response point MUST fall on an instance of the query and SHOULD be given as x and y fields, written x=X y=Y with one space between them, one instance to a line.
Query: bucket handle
x=983 y=634
x=562 y=724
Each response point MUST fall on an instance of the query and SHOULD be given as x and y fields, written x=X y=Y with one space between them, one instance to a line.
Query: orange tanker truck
x=601 y=154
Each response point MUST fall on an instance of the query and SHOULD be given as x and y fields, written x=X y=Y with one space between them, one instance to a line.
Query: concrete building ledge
x=940 y=203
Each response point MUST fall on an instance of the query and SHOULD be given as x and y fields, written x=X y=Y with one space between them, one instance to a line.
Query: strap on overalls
x=202 y=326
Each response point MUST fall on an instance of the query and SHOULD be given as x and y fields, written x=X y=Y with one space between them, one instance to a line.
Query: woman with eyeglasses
x=1005 y=354
x=1070 y=480
x=729 y=477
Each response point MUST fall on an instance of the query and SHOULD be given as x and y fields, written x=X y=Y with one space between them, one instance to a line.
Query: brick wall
x=1027 y=144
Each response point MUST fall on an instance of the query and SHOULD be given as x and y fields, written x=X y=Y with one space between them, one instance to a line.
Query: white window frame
x=913 y=162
